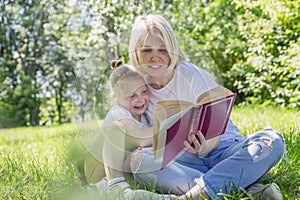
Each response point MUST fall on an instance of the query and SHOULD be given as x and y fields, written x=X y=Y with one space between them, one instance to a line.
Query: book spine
x=195 y=121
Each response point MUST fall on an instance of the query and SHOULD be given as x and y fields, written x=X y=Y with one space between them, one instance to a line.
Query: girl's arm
x=138 y=137
x=114 y=149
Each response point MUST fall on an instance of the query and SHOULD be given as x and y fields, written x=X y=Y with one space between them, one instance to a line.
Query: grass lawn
x=38 y=162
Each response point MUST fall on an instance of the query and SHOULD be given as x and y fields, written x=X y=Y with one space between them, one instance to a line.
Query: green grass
x=38 y=163
x=287 y=122
x=33 y=162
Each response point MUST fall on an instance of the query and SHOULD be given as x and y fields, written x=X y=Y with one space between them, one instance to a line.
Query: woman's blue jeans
x=233 y=165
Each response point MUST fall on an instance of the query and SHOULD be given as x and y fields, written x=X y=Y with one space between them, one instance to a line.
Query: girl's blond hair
x=120 y=73
x=157 y=25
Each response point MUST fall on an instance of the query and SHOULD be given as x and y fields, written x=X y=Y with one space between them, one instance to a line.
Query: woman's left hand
x=197 y=145
x=200 y=145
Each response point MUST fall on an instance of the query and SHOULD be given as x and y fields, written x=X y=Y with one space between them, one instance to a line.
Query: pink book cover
x=212 y=119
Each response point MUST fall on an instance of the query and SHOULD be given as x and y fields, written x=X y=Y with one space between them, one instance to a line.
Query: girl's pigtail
x=116 y=63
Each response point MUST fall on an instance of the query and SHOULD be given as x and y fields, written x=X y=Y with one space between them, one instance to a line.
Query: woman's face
x=153 y=57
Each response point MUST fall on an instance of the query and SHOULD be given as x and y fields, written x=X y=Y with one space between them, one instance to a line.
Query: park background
x=54 y=63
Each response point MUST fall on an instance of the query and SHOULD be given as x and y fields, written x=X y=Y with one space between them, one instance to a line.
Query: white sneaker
x=265 y=192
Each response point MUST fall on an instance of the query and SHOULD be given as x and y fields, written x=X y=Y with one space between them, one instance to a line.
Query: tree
x=54 y=51
x=31 y=48
x=270 y=70
x=22 y=26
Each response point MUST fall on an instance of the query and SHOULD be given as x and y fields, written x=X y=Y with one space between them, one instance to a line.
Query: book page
x=166 y=108
x=213 y=94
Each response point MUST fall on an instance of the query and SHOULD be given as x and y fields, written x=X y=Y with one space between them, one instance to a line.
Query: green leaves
x=251 y=47
x=266 y=68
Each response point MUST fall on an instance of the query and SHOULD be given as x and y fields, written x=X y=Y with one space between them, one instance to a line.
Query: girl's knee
x=142 y=161
x=136 y=159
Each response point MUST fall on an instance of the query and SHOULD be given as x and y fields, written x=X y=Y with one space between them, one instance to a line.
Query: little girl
x=124 y=128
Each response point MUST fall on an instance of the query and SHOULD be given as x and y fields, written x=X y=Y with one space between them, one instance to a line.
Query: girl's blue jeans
x=232 y=166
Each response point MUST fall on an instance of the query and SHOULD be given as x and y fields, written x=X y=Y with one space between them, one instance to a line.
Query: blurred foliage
x=55 y=55
x=269 y=72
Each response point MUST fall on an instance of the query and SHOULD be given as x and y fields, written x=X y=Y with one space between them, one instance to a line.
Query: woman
x=225 y=163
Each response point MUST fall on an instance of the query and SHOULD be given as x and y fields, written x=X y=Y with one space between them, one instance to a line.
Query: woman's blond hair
x=157 y=25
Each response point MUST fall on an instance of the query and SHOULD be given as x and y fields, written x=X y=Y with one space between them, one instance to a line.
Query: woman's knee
x=277 y=139
x=273 y=141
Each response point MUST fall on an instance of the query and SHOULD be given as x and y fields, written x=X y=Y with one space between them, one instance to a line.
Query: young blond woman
x=125 y=127
x=208 y=168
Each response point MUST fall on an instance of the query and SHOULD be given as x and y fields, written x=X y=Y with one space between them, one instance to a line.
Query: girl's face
x=153 y=57
x=134 y=96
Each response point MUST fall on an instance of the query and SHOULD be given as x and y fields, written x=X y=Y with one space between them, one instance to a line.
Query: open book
x=175 y=120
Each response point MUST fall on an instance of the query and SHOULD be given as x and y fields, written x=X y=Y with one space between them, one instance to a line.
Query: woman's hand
x=197 y=145
x=200 y=145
